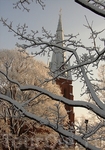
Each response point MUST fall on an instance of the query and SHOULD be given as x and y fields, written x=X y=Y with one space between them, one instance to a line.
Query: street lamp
x=86 y=121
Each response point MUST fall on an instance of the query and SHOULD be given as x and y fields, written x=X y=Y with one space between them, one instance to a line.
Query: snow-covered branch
x=25 y=84
x=96 y=6
x=87 y=105
x=55 y=127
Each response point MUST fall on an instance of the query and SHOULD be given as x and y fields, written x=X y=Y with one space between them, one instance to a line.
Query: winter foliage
x=27 y=92
x=24 y=69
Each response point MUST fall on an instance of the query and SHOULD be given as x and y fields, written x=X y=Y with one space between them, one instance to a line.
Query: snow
x=57 y=128
x=98 y=107
x=92 y=7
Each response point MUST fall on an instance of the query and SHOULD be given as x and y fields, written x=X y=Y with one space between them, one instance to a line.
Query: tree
x=96 y=6
x=24 y=69
x=80 y=68
x=22 y=3
x=101 y=84
x=99 y=137
x=87 y=125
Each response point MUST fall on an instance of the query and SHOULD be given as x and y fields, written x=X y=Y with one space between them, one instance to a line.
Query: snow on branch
x=78 y=103
x=55 y=127
x=21 y=32
x=96 y=6
x=79 y=67
x=94 y=130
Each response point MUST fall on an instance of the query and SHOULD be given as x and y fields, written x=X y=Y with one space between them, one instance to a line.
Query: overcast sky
x=73 y=20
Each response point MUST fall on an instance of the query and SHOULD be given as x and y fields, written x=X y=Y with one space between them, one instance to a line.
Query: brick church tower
x=57 y=65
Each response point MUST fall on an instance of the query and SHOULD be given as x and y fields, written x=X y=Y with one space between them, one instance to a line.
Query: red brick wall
x=67 y=91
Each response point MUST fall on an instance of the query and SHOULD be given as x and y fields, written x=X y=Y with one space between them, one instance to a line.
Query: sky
x=73 y=20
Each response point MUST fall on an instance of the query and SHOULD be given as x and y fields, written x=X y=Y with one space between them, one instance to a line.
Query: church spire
x=58 y=57
x=57 y=65
x=69 y=76
x=58 y=54
x=59 y=28
x=59 y=31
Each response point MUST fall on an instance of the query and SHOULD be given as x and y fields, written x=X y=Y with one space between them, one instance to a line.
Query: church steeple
x=58 y=54
x=69 y=76
x=59 y=28
x=58 y=57
x=59 y=31
x=57 y=65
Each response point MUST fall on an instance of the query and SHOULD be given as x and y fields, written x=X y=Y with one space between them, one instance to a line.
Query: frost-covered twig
x=25 y=3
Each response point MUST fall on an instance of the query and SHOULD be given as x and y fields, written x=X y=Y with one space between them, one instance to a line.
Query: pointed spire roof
x=58 y=56
x=59 y=28
x=59 y=32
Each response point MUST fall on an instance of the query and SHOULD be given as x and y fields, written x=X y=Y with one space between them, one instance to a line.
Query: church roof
x=59 y=28
x=58 y=56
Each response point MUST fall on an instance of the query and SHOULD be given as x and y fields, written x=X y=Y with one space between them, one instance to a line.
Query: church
x=57 y=65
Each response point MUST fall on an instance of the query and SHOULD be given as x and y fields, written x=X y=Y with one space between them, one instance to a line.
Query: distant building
x=57 y=65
